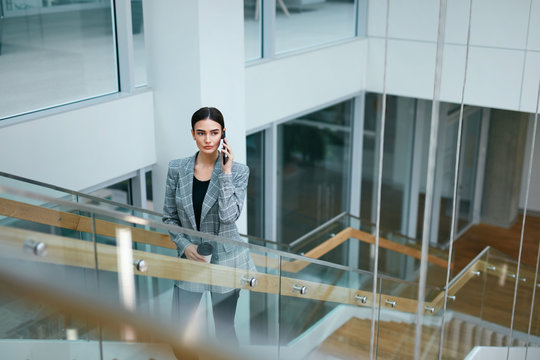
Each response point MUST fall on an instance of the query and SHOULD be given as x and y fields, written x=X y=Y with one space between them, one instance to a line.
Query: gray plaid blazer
x=221 y=208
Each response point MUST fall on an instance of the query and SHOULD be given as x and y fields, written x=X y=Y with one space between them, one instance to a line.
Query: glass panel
x=339 y=240
x=398 y=165
x=501 y=229
x=468 y=163
x=313 y=170
x=52 y=54
x=255 y=191
x=305 y=23
x=501 y=282
x=114 y=197
x=367 y=204
x=139 y=48
x=149 y=192
x=31 y=245
x=470 y=146
x=147 y=289
x=467 y=299
x=252 y=29
x=397 y=322
x=531 y=243
x=120 y=193
x=319 y=315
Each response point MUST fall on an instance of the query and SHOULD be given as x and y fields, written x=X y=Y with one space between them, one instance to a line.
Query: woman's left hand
x=226 y=149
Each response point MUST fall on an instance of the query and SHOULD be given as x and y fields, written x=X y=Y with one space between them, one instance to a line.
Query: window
x=139 y=48
x=299 y=24
x=305 y=23
x=255 y=192
x=313 y=169
x=252 y=29
x=55 y=54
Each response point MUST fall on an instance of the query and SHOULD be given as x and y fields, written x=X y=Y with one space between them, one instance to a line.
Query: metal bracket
x=300 y=288
x=38 y=248
x=362 y=299
x=252 y=282
x=140 y=265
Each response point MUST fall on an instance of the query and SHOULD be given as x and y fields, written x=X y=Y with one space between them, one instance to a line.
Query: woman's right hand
x=192 y=254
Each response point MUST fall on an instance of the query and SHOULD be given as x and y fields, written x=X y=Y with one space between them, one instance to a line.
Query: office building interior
x=393 y=203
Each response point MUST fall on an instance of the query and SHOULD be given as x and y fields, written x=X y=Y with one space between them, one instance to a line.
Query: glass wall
x=139 y=48
x=313 y=170
x=252 y=29
x=398 y=154
x=255 y=192
x=299 y=24
x=52 y=54
x=306 y=23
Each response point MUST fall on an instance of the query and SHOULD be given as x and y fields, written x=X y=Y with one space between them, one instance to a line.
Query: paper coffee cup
x=205 y=250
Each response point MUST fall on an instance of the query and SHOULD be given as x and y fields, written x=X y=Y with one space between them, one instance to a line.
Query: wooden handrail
x=80 y=253
x=81 y=223
x=66 y=220
x=391 y=245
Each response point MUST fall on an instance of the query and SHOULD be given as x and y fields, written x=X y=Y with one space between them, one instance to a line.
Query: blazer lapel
x=186 y=190
x=213 y=190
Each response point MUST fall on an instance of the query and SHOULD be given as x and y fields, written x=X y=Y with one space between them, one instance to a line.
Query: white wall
x=281 y=88
x=81 y=148
x=504 y=57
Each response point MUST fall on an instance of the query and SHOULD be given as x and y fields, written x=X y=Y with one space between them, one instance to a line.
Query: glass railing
x=480 y=302
x=399 y=255
x=287 y=304
x=350 y=241
x=40 y=188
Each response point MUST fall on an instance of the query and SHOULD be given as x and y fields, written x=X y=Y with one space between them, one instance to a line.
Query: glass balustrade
x=399 y=256
x=501 y=285
x=130 y=262
x=464 y=305
x=290 y=305
x=397 y=318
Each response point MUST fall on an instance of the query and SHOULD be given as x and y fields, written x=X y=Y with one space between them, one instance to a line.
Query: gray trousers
x=185 y=304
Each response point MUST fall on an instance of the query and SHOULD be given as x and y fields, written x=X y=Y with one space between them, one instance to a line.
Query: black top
x=199 y=191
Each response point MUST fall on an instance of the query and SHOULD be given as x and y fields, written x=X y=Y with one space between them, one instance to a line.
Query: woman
x=205 y=192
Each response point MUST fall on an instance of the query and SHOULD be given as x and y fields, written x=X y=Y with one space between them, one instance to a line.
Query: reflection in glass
x=398 y=160
x=313 y=170
x=252 y=29
x=55 y=55
x=315 y=297
x=139 y=48
x=305 y=23
x=120 y=192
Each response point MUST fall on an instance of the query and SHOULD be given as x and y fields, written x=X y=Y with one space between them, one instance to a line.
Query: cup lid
x=205 y=249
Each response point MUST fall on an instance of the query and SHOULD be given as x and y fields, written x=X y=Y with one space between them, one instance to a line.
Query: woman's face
x=207 y=135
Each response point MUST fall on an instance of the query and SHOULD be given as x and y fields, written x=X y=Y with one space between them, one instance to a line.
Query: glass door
x=470 y=144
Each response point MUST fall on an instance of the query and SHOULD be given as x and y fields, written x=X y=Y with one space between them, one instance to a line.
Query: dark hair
x=207 y=113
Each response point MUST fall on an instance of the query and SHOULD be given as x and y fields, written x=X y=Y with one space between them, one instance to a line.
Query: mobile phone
x=225 y=157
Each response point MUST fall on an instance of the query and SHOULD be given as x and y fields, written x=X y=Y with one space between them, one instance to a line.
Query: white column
x=195 y=55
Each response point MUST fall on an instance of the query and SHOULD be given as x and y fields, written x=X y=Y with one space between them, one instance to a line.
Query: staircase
x=395 y=340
